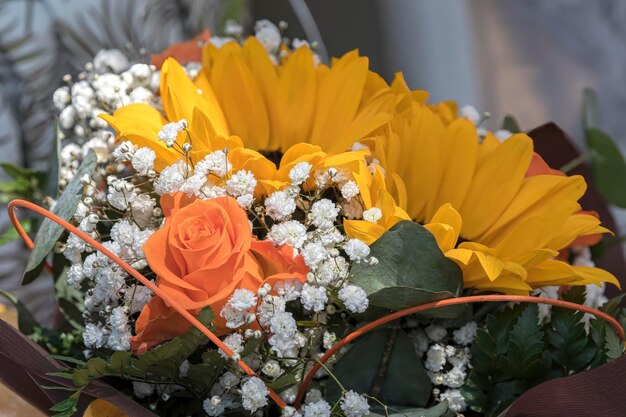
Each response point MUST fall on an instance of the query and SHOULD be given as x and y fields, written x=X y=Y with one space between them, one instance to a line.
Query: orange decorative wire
x=352 y=336
x=156 y=290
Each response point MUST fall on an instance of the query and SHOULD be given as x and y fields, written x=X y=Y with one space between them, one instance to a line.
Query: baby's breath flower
x=292 y=233
x=234 y=342
x=455 y=399
x=253 y=394
x=356 y=250
x=240 y=183
x=354 y=405
x=313 y=298
x=280 y=205
x=372 y=215
x=268 y=34
x=349 y=190
x=242 y=299
x=143 y=160
x=170 y=131
x=323 y=213
x=317 y=409
x=466 y=334
x=300 y=173
x=354 y=298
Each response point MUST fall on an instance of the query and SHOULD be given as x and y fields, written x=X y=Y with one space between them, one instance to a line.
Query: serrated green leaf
x=608 y=167
x=614 y=346
x=570 y=346
x=525 y=350
x=26 y=323
x=383 y=364
x=411 y=270
x=49 y=232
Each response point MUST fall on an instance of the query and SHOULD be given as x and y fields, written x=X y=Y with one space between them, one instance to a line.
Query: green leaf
x=383 y=364
x=26 y=323
x=510 y=123
x=570 y=346
x=288 y=379
x=17 y=172
x=608 y=167
x=435 y=411
x=67 y=404
x=11 y=233
x=525 y=353
x=614 y=346
x=49 y=232
x=411 y=270
x=69 y=359
x=161 y=363
x=613 y=305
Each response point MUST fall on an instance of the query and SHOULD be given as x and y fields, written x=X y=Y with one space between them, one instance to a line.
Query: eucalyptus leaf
x=608 y=167
x=383 y=364
x=411 y=270
x=435 y=411
x=50 y=232
x=26 y=323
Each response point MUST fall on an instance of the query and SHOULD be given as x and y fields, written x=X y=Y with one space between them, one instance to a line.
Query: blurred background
x=531 y=59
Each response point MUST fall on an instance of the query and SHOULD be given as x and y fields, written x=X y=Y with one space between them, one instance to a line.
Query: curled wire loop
x=349 y=338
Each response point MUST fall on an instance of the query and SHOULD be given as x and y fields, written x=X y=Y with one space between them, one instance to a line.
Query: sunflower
x=491 y=211
x=494 y=207
x=297 y=111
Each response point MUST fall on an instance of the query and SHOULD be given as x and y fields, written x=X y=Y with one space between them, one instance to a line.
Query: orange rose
x=205 y=251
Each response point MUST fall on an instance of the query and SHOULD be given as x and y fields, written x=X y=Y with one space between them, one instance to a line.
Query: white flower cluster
x=446 y=358
x=108 y=83
x=110 y=298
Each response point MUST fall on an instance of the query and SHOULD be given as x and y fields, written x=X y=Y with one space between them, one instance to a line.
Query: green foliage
x=411 y=270
x=26 y=183
x=383 y=364
x=26 y=323
x=514 y=352
x=67 y=407
x=50 y=232
x=161 y=364
x=510 y=123
x=608 y=167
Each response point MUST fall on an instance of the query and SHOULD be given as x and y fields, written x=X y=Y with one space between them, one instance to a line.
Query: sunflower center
x=274 y=156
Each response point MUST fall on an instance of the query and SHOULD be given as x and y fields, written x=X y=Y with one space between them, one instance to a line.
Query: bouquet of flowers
x=241 y=228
